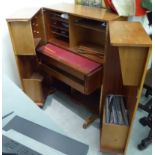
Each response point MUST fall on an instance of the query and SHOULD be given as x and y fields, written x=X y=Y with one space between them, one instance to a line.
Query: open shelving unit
x=87 y=38
x=31 y=78
x=56 y=28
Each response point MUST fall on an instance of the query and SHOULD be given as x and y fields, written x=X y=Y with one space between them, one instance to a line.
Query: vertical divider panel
x=22 y=37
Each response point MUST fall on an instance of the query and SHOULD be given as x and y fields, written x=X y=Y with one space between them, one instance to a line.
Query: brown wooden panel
x=132 y=61
x=93 y=81
x=125 y=33
x=113 y=137
x=26 y=65
x=38 y=31
x=33 y=87
x=133 y=95
x=131 y=99
x=112 y=79
x=22 y=37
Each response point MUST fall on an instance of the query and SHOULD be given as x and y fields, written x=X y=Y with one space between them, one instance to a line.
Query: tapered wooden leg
x=90 y=120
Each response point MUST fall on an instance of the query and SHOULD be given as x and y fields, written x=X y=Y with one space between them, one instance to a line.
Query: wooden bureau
x=95 y=35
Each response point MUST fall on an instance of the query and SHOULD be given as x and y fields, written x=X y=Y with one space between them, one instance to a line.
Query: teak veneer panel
x=114 y=137
x=33 y=87
x=22 y=37
x=123 y=33
x=132 y=62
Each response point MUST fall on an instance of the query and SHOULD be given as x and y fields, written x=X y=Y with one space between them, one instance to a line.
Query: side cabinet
x=26 y=33
x=127 y=56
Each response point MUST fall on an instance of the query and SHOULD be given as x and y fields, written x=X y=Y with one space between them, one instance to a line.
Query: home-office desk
x=123 y=60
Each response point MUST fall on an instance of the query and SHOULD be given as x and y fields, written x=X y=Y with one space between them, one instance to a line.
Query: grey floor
x=69 y=115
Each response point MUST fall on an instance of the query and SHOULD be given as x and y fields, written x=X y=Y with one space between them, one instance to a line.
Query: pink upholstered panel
x=74 y=60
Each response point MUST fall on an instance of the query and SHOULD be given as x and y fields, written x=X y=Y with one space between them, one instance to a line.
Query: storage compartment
x=31 y=78
x=91 y=24
x=74 y=70
x=87 y=38
x=113 y=137
x=33 y=88
x=57 y=28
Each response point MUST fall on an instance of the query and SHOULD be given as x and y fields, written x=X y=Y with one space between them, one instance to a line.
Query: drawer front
x=93 y=81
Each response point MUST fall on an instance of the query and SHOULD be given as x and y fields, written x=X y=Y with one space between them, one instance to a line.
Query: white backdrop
x=7 y=7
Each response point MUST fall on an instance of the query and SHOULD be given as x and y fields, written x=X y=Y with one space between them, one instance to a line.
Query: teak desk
x=123 y=65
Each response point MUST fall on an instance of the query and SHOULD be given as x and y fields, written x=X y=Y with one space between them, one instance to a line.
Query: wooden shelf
x=91 y=26
x=60 y=28
x=92 y=51
x=126 y=32
x=60 y=34
x=33 y=87
x=59 y=19
x=59 y=42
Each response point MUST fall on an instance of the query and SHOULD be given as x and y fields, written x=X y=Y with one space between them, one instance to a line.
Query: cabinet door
x=22 y=37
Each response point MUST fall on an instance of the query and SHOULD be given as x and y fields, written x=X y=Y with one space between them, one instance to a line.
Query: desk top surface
x=123 y=33
x=78 y=10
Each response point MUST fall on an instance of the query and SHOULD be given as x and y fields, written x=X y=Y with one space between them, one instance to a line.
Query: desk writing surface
x=123 y=33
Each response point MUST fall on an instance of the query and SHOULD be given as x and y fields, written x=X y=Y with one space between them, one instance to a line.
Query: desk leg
x=90 y=120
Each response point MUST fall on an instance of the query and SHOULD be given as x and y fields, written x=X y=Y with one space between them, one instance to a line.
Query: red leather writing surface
x=69 y=58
